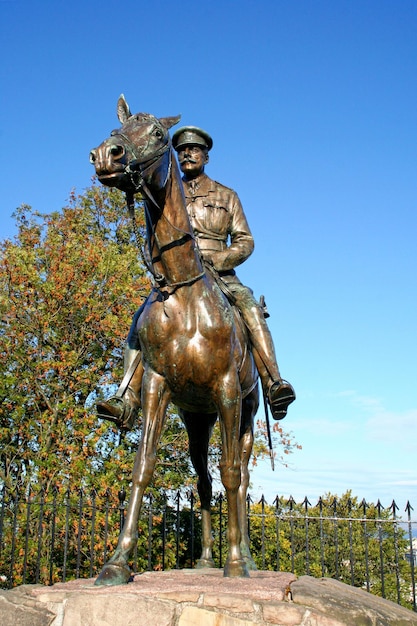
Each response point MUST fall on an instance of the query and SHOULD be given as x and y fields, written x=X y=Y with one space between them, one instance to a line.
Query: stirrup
x=119 y=415
x=280 y=396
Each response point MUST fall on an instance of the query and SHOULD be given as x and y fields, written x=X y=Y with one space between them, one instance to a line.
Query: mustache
x=187 y=160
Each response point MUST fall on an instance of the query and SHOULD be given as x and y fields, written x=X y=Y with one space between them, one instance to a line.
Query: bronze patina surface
x=186 y=344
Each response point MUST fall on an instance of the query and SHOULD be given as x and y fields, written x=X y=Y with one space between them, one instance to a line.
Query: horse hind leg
x=199 y=428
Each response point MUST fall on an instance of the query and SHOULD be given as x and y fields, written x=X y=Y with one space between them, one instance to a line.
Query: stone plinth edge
x=201 y=598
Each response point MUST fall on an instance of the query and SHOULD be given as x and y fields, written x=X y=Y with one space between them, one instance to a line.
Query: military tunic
x=224 y=237
x=219 y=223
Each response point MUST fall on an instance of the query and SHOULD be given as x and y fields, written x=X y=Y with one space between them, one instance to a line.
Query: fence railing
x=55 y=536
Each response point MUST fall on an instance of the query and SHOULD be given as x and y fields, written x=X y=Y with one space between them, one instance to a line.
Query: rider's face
x=192 y=160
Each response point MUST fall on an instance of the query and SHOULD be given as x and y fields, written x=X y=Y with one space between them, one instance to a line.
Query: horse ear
x=167 y=122
x=123 y=111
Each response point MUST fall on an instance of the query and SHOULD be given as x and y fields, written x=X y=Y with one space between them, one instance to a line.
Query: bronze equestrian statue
x=187 y=343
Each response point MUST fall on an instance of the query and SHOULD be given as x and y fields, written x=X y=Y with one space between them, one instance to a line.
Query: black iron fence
x=55 y=536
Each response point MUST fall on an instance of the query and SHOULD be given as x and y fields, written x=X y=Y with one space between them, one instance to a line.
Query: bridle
x=137 y=169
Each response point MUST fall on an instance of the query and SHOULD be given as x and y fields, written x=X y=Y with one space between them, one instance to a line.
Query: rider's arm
x=241 y=239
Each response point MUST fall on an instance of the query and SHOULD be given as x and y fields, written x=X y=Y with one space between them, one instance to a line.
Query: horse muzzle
x=109 y=162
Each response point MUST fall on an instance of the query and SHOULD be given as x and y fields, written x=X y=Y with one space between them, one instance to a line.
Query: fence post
x=40 y=533
x=351 y=555
x=177 y=531
x=3 y=506
x=150 y=524
x=249 y=501
x=220 y=502
x=14 y=531
x=336 y=537
x=262 y=503
x=52 y=548
x=306 y=504
x=277 y=513
x=320 y=505
x=164 y=530
x=381 y=552
x=394 y=508
x=67 y=514
x=192 y=529
x=409 y=508
x=93 y=529
x=291 y=503
x=107 y=495
x=80 y=517
x=122 y=497
x=25 y=557
x=365 y=538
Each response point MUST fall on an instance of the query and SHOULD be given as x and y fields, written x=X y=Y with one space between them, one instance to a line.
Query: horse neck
x=174 y=251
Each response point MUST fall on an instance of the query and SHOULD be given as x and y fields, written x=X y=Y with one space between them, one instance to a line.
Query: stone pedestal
x=201 y=598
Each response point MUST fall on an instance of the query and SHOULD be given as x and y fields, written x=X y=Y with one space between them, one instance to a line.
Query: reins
x=137 y=170
x=130 y=203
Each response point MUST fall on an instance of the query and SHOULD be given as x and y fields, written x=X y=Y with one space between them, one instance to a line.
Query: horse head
x=137 y=155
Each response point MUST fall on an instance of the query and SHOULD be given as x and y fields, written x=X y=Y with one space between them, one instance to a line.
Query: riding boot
x=278 y=392
x=122 y=408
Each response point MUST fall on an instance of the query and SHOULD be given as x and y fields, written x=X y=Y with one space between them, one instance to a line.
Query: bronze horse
x=194 y=350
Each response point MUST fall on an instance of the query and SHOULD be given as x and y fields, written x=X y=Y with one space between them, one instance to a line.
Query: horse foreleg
x=249 y=408
x=155 y=401
x=230 y=414
x=199 y=428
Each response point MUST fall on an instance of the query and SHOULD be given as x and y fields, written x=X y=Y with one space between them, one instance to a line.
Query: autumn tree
x=70 y=283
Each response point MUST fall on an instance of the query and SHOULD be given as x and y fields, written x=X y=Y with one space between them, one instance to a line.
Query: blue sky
x=312 y=107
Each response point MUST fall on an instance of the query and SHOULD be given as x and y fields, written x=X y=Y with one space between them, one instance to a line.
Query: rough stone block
x=237 y=604
x=117 y=610
x=181 y=596
x=349 y=605
x=282 y=613
x=193 y=616
x=17 y=607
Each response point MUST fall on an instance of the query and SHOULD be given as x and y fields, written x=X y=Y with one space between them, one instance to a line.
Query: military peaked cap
x=191 y=135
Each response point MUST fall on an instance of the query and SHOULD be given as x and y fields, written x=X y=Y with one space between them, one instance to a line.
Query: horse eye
x=158 y=133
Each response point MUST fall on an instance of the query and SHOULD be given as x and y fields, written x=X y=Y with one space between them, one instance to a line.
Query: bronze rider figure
x=225 y=241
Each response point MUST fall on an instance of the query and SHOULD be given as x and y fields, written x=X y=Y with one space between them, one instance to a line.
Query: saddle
x=281 y=393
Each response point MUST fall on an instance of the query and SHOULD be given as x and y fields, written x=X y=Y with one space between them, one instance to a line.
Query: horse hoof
x=236 y=569
x=250 y=563
x=247 y=557
x=204 y=563
x=113 y=575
